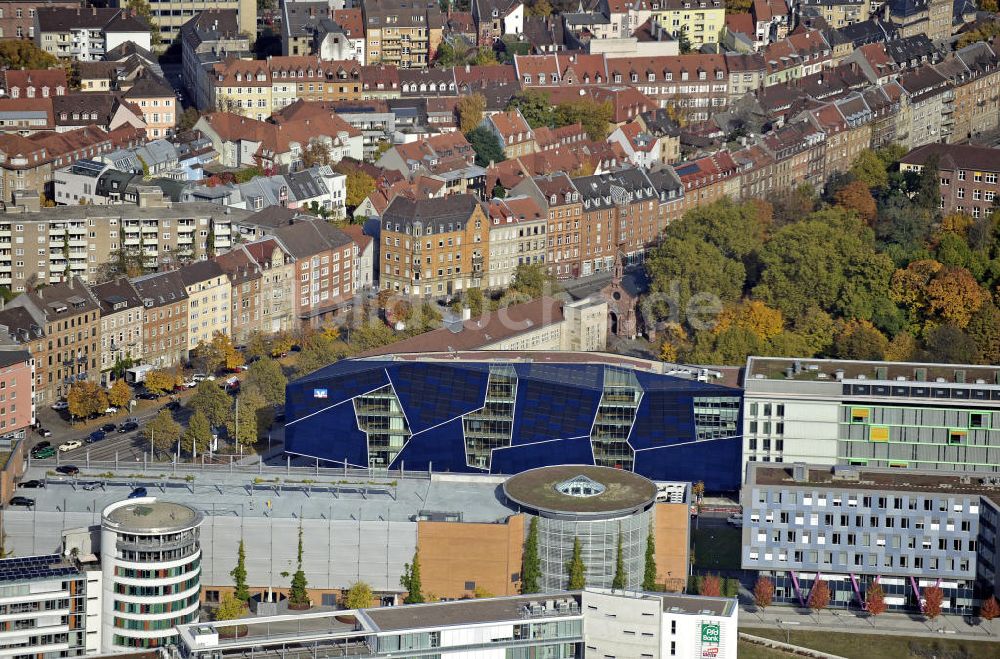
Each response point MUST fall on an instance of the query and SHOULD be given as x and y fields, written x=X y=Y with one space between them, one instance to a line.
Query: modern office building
x=850 y=526
x=151 y=560
x=49 y=607
x=872 y=414
x=591 y=623
x=494 y=412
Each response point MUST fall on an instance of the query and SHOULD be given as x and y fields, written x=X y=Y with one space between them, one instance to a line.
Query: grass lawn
x=717 y=548
x=746 y=650
x=868 y=646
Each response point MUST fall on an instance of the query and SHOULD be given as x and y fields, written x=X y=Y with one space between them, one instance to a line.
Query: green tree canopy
x=679 y=269
x=163 y=432
x=212 y=401
x=575 y=569
x=828 y=260
x=239 y=575
x=198 y=434
x=410 y=581
x=23 y=54
x=531 y=564
x=649 y=569
x=266 y=375
x=486 y=145
x=358 y=596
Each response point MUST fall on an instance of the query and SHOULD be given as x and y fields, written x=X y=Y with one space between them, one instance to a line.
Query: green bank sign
x=709 y=632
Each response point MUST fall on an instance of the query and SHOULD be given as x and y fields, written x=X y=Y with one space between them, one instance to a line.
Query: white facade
x=619 y=625
x=56 y=612
x=805 y=424
x=140 y=38
x=151 y=560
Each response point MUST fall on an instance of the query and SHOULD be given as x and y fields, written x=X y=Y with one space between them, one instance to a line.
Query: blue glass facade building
x=503 y=417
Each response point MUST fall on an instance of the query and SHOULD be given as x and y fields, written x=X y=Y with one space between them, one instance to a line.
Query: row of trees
x=87 y=399
x=875 y=604
x=870 y=270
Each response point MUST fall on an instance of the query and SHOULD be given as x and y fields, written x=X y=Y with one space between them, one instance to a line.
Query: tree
x=819 y=595
x=220 y=353
x=710 y=586
x=122 y=262
x=475 y=300
x=212 y=401
x=470 y=111
x=230 y=608
x=575 y=569
x=248 y=403
x=486 y=145
x=827 y=260
x=984 y=329
x=683 y=40
x=540 y=8
x=86 y=399
x=901 y=349
x=649 y=571
x=23 y=54
x=316 y=153
x=163 y=432
x=595 y=118
x=954 y=295
x=187 y=119
x=297 y=594
x=120 y=394
x=933 y=600
x=948 y=344
x=266 y=375
x=753 y=316
x=358 y=596
x=359 y=185
x=160 y=381
x=484 y=56
x=857 y=197
x=258 y=345
x=875 y=600
x=620 y=580
x=531 y=564
x=763 y=592
x=141 y=9
x=730 y=587
x=534 y=106
x=928 y=194
x=239 y=575
x=989 y=609
x=533 y=280
x=281 y=343
x=319 y=350
x=410 y=581
x=680 y=269
x=859 y=339
x=870 y=170
x=738 y=230
x=197 y=436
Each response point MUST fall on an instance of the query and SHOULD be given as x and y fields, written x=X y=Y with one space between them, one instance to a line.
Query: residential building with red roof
x=552 y=138
x=33 y=83
x=772 y=20
x=277 y=291
x=411 y=157
x=695 y=85
x=513 y=132
x=708 y=179
x=641 y=148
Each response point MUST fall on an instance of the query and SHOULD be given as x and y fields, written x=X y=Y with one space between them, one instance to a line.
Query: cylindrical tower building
x=598 y=506
x=151 y=559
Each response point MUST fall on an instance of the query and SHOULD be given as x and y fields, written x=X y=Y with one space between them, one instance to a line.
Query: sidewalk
x=895 y=624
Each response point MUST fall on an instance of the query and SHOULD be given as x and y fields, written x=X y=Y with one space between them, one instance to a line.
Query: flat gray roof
x=465 y=612
x=148 y=516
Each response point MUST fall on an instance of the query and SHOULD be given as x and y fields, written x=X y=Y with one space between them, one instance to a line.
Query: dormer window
x=651 y=77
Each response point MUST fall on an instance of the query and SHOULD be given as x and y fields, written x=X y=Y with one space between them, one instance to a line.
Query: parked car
x=128 y=427
x=41 y=454
x=43 y=432
x=108 y=427
x=32 y=484
x=60 y=405
x=41 y=445
x=70 y=445
x=198 y=377
x=148 y=395
x=96 y=436
x=22 y=501
x=137 y=493
x=89 y=486
x=68 y=470
x=111 y=410
x=190 y=384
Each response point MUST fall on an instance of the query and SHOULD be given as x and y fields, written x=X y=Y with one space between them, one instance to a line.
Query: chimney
x=466 y=313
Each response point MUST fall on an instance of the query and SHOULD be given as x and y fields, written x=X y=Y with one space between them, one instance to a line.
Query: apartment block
x=59 y=325
x=700 y=20
x=944 y=418
x=46 y=245
x=171 y=15
x=121 y=327
x=854 y=526
x=277 y=304
x=433 y=247
x=968 y=176
x=406 y=34
x=86 y=34
x=209 y=292
x=165 y=321
x=17 y=381
x=50 y=606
